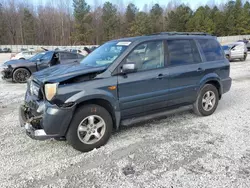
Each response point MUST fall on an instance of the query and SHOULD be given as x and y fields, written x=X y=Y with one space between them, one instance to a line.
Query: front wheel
x=207 y=101
x=21 y=75
x=90 y=128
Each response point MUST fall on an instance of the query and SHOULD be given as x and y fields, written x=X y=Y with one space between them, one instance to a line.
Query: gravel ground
x=181 y=150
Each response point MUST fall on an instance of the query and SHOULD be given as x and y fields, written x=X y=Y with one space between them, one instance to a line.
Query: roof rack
x=182 y=33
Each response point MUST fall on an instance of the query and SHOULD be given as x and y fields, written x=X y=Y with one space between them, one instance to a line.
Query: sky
x=140 y=3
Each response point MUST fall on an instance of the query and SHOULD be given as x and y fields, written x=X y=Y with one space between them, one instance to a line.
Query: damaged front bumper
x=6 y=72
x=50 y=121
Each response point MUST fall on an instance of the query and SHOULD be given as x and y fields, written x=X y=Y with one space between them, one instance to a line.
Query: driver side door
x=146 y=89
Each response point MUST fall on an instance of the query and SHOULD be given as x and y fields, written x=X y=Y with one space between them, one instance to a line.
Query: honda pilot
x=123 y=82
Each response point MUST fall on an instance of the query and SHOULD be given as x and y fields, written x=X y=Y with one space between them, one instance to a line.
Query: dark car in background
x=6 y=50
x=20 y=70
x=124 y=82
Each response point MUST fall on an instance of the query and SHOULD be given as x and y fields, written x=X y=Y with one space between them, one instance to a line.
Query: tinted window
x=147 y=56
x=47 y=56
x=183 y=52
x=65 y=56
x=211 y=49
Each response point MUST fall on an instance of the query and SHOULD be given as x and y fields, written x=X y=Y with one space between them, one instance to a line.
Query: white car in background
x=237 y=50
x=23 y=55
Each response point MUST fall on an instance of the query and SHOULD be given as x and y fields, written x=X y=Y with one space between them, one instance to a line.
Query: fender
x=85 y=95
x=208 y=78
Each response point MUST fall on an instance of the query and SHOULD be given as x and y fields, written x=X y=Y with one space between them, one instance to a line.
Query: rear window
x=183 y=52
x=211 y=49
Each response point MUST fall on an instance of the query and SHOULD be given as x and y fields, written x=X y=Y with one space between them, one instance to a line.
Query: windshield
x=37 y=56
x=41 y=55
x=106 y=54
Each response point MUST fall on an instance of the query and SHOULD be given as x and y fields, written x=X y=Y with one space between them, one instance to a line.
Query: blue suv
x=123 y=82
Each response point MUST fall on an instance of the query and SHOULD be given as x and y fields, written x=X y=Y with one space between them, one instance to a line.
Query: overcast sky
x=140 y=3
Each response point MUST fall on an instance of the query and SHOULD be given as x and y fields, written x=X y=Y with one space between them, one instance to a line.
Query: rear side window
x=183 y=52
x=65 y=56
x=211 y=49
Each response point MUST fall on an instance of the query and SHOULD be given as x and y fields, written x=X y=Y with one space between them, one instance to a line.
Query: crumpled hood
x=61 y=73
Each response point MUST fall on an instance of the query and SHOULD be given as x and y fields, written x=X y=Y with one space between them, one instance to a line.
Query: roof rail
x=182 y=33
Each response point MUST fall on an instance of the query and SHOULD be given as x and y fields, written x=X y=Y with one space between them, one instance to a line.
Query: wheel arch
x=105 y=104
x=16 y=68
x=213 y=80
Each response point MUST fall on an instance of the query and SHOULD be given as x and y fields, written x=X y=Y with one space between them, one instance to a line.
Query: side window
x=47 y=56
x=183 y=52
x=211 y=49
x=66 y=56
x=147 y=56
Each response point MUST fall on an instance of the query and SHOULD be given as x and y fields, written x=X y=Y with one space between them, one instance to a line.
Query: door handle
x=200 y=70
x=160 y=76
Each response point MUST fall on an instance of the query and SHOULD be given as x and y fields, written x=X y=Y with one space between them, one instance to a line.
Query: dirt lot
x=182 y=150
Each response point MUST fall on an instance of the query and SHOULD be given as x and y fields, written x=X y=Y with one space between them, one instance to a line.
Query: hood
x=61 y=73
x=18 y=62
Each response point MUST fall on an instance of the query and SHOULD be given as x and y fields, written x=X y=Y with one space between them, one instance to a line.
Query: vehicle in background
x=114 y=85
x=75 y=51
x=23 y=55
x=1 y=51
x=31 y=50
x=23 y=49
x=20 y=70
x=246 y=42
x=6 y=50
x=235 y=51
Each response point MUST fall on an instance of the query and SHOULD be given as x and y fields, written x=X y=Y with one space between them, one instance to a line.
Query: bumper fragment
x=36 y=134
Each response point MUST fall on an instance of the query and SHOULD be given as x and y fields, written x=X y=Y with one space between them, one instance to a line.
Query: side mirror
x=128 y=68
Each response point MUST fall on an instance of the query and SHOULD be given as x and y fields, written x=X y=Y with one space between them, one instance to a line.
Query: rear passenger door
x=185 y=71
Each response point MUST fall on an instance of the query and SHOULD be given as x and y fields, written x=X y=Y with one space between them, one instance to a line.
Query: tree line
x=77 y=23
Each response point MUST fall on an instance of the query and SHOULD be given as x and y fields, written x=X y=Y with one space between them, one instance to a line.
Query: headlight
x=34 y=89
x=50 y=90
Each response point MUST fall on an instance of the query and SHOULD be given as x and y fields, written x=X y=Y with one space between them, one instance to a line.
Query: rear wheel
x=207 y=101
x=21 y=75
x=90 y=128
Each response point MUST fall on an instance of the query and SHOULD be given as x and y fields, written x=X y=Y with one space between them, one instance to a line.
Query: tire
x=78 y=139
x=21 y=75
x=22 y=58
x=200 y=105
